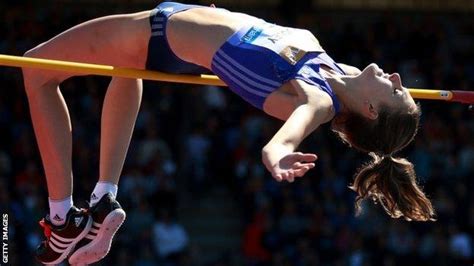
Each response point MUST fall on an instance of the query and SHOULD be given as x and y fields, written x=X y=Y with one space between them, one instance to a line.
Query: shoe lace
x=86 y=211
x=88 y=204
x=46 y=228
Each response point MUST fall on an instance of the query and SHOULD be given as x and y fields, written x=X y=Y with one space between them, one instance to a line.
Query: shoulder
x=282 y=102
x=313 y=96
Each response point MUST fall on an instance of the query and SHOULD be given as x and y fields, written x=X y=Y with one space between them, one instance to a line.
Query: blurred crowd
x=192 y=138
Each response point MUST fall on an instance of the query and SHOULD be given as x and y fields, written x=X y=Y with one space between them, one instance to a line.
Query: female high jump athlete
x=283 y=71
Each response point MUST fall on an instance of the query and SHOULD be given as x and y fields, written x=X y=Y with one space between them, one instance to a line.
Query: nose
x=395 y=78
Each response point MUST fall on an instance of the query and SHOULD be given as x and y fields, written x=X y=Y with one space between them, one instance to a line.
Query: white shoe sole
x=73 y=244
x=99 y=247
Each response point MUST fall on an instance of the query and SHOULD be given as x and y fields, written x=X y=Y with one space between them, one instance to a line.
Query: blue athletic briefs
x=253 y=62
x=160 y=56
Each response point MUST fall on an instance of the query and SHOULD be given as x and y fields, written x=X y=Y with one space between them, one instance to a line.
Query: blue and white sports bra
x=258 y=59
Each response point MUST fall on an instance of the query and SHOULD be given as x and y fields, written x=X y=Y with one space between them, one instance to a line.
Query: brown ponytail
x=392 y=182
x=387 y=180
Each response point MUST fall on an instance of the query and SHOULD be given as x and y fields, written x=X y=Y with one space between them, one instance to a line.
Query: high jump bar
x=106 y=70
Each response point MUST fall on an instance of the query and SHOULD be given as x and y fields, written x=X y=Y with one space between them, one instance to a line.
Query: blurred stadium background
x=193 y=185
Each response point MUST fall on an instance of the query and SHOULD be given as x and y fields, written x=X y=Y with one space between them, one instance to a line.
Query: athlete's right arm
x=279 y=155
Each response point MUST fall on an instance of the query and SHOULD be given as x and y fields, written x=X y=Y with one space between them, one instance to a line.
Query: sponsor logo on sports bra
x=292 y=54
x=251 y=35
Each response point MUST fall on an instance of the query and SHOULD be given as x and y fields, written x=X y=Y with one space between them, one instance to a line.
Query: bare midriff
x=196 y=34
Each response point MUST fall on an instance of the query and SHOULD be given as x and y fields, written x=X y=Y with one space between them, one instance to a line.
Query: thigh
x=119 y=40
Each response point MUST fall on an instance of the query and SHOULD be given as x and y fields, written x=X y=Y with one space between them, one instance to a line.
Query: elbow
x=265 y=151
x=266 y=158
x=265 y=154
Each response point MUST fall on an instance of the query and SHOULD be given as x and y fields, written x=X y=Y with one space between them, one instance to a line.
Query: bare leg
x=120 y=40
x=119 y=113
x=52 y=126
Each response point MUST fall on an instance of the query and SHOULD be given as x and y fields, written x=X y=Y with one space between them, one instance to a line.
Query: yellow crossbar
x=106 y=70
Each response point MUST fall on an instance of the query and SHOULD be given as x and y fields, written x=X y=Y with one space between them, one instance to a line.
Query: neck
x=344 y=88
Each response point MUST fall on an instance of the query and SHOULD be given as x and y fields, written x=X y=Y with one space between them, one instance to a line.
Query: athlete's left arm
x=350 y=70
x=279 y=156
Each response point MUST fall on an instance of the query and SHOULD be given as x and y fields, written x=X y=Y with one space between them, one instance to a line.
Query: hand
x=292 y=165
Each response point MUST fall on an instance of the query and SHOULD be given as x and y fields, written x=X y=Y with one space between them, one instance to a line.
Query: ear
x=369 y=111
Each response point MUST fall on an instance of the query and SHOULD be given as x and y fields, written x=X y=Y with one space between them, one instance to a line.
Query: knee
x=34 y=78
x=32 y=52
x=29 y=73
x=36 y=52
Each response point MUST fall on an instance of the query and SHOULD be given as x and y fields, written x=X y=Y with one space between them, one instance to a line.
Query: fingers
x=278 y=178
x=306 y=157
x=302 y=171
x=298 y=170
x=288 y=176
x=291 y=176
x=298 y=165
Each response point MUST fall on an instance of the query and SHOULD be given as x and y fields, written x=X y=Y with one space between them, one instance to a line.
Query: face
x=381 y=88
